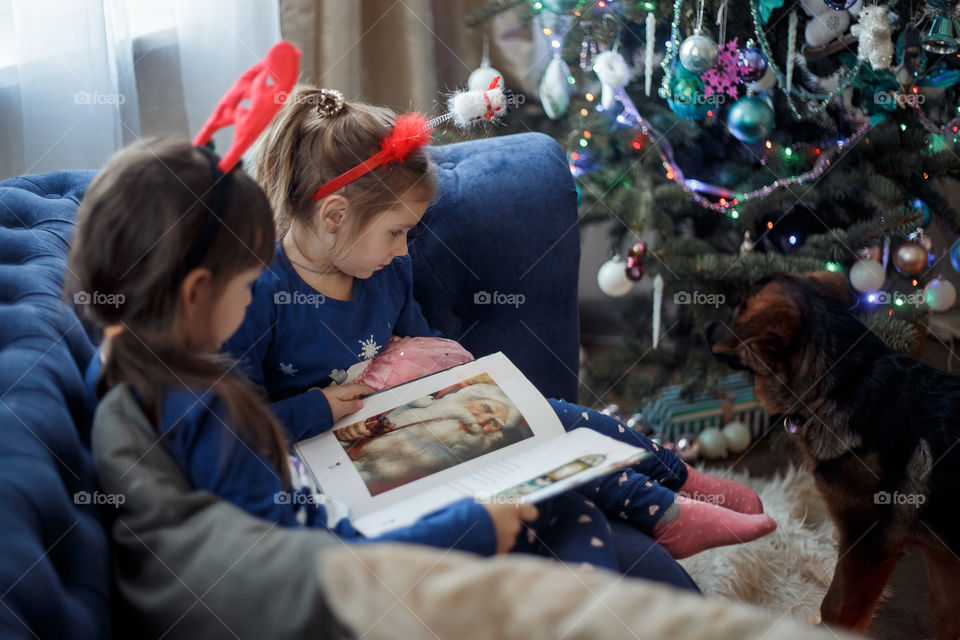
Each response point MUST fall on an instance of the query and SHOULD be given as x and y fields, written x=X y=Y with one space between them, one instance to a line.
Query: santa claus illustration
x=431 y=434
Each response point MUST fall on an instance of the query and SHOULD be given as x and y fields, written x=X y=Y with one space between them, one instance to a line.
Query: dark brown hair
x=135 y=226
x=302 y=150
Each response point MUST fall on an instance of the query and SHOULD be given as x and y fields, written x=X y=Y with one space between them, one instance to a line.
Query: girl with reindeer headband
x=347 y=182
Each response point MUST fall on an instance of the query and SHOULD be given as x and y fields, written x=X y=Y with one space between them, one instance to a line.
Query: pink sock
x=700 y=526
x=721 y=492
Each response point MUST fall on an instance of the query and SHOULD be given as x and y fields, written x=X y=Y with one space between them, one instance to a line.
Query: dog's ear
x=833 y=284
x=770 y=323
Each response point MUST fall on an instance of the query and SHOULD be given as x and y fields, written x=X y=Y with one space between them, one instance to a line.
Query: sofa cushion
x=496 y=258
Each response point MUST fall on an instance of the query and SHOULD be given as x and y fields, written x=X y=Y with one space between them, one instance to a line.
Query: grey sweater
x=188 y=564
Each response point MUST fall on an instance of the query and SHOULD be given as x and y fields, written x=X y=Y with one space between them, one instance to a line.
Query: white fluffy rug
x=787 y=572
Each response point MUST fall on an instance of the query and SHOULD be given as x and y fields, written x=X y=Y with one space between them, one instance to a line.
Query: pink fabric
x=701 y=526
x=732 y=495
x=406 y=359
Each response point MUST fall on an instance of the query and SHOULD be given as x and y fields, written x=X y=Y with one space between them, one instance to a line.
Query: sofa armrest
x=55 y=565
x=496 y=258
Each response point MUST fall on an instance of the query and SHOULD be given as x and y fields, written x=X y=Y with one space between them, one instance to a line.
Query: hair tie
x=330 y=104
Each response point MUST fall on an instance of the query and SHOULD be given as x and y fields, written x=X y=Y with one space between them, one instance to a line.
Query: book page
x=416 y=439
x=550 y=468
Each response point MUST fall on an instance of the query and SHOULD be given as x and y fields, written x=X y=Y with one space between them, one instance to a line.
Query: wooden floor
x=905 y=614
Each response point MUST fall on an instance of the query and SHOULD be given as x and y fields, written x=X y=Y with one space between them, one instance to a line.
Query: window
x=148 y=16
x=8 y=41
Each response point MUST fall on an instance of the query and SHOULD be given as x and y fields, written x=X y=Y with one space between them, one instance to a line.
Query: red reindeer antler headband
x=264 y=84
x=411 y=131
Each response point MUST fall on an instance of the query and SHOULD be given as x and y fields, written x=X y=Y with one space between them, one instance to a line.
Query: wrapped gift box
x=671 y=416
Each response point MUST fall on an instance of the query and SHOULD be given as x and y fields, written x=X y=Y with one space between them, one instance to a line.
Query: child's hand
x=507 y=519
x=345 y=399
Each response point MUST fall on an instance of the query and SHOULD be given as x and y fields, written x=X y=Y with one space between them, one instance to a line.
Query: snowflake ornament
x=368 y=348
x=287 y=369
x=724 y=77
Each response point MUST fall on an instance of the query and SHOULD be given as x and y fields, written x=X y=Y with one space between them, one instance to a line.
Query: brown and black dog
x=880 y=430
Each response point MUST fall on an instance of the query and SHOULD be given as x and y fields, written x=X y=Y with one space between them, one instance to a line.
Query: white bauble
x=698 y=53
x=612 y=278
x=481 y=77
x=826 y=27
x=737 y=435
x=940 y=294
x=555 y=89
x=712 y=443
x=867 y=275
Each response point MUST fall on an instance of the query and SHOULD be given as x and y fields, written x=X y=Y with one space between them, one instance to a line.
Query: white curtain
x=82 y=78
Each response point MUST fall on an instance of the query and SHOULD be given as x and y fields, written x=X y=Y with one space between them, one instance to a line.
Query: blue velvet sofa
x=495 y=266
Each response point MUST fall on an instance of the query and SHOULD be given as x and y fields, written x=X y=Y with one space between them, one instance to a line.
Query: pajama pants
x=638 y=494
x=572 y=529
x=569 y=528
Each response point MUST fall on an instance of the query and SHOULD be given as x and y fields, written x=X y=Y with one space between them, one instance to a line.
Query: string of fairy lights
x=710 y=196
x=866 y=274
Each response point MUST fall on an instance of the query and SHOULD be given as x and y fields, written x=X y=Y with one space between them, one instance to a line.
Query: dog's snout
x=713 y=332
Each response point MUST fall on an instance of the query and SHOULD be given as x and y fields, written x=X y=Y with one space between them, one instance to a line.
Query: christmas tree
x=737 y=138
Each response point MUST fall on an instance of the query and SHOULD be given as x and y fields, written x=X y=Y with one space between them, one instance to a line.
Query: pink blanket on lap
x=406 y=359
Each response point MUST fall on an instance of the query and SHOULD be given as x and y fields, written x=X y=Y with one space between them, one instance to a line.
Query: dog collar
x=793 y=423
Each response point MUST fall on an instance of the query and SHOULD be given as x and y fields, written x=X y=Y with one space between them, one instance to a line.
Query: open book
x=480 y=429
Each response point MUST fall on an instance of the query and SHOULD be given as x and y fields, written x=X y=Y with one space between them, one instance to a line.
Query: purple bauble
x=753 y=62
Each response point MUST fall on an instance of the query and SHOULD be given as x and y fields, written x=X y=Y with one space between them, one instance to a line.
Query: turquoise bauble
x=687 y=99
x=750 y=119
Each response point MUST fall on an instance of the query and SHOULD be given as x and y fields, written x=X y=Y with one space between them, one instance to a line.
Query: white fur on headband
x=469 y=107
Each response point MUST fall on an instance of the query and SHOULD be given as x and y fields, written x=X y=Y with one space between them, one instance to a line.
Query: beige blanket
x=394 y=591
